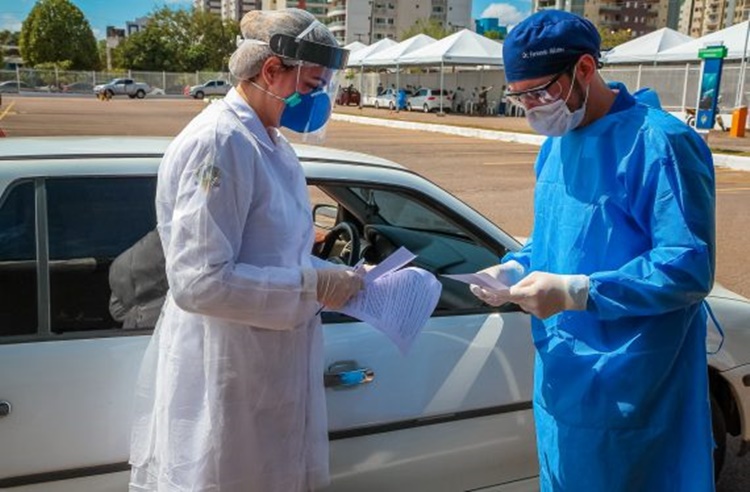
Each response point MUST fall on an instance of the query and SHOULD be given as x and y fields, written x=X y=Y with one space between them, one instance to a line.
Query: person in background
x=230 y=396
x=615 y=272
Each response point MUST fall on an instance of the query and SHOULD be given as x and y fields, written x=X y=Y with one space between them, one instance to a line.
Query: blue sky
x=510 y=12
x=102 y=13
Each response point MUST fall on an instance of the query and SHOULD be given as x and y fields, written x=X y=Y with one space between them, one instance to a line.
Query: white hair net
x=260 y=25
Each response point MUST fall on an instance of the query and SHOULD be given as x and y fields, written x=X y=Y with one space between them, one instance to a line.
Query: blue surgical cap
x=547 y=43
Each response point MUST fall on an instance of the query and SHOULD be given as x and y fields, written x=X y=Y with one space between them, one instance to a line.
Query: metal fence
x=29 y=79
x=677 y=85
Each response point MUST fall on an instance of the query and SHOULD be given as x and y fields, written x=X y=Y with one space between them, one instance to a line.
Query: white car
x=210 y=88
x=427 y=100
x=452 y=415
x=387 y=99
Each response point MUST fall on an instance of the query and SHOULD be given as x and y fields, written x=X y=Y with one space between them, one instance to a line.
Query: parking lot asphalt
x=494 y=177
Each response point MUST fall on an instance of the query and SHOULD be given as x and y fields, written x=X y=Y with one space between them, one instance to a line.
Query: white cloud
x=10 y=22
x=508 y=14
x=97 y=33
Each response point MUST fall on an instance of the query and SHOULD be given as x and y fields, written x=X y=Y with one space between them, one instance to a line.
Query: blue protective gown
x=621 y=390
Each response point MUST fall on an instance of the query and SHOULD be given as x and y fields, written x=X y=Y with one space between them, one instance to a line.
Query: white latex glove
x=545 y=294
x=337 y=285
x=508 y=273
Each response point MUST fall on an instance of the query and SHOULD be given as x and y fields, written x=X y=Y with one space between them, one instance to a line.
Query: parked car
x=387 y=99
x=210 y=88
x=428 y=100
x=123 y=87
x=454 y=414
x=13 y=86
x=348 y=95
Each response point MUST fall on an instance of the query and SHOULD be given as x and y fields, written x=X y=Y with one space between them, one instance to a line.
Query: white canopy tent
x=356 y=59
x=355 y=46
x=733 y=37
x=390 y=56
x=645 y=49
x=462 y=48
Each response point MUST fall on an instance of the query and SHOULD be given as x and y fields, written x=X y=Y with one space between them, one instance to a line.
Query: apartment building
x=319 y=8
x=369 y=22
x=701 y=17
x=638 y=16
x=228 y=9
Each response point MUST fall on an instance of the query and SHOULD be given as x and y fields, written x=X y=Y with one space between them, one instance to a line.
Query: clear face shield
x=309 y=107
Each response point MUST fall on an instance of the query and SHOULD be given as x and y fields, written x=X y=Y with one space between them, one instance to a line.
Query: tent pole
x=638 y=81
x=361 y=77
x=684 y=86
x=442 y=84
x=743 y=68
x=398 y=84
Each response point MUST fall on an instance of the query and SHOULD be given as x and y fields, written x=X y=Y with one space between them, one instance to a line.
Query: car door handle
x=347 y=374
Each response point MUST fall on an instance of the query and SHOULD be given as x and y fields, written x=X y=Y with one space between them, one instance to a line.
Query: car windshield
x=398 y=210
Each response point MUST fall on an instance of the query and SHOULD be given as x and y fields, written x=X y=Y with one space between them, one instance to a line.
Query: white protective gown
x=230 y=395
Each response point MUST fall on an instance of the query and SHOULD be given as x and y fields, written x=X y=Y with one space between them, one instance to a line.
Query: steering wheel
x=351 y=248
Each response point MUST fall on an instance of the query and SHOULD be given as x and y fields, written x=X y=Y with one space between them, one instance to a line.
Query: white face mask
x=555 y=119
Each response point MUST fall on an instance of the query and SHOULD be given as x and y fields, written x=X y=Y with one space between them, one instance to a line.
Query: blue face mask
x=306 y=113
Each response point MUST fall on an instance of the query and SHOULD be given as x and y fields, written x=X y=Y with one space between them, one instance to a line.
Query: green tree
x=56 y=31
x=610 y=38
x=430 y=27
x=179 y=41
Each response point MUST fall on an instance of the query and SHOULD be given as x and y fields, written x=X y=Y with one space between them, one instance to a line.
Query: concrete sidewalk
x=728 y=151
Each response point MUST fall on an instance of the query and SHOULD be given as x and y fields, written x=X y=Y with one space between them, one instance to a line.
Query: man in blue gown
x=619 y=261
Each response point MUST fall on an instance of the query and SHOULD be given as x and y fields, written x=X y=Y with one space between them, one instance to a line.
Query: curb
x=736 y=163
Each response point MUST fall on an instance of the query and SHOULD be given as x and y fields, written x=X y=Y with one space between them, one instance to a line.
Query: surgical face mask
x=303 y=113
x=555 y=119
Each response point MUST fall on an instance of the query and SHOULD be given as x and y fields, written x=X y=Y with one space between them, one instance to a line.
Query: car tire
x=140 y=94
x=719 y=430
x=426 y=108
x=199 y=95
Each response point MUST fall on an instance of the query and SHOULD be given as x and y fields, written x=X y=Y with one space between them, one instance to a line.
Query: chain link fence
x=676 y=84
x=77 y=82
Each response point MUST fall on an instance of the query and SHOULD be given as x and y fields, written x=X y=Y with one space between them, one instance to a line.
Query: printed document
x=396 y=301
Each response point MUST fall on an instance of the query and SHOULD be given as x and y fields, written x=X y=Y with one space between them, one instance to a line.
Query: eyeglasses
x=537 y=96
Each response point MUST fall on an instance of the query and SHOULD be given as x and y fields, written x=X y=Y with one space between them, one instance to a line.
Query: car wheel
x=140 y=94
x=426 y=108
x=199 y=95
x=719 y=429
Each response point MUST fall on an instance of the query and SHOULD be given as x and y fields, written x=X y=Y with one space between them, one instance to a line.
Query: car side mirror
x=324 y=215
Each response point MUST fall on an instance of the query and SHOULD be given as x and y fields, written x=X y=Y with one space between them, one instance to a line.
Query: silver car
x=210 y=88
x=454 y=414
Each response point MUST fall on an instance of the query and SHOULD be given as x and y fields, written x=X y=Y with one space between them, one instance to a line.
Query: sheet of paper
x=481 y=279
x=398 y=304
x=399 y=258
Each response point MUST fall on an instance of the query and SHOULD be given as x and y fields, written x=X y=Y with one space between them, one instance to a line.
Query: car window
x=389 y=218
x=91 y=221
x=403 y=211
x=18 y=266
x=210 y=84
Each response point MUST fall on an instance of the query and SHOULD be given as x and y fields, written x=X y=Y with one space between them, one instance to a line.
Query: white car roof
x=21 y=148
